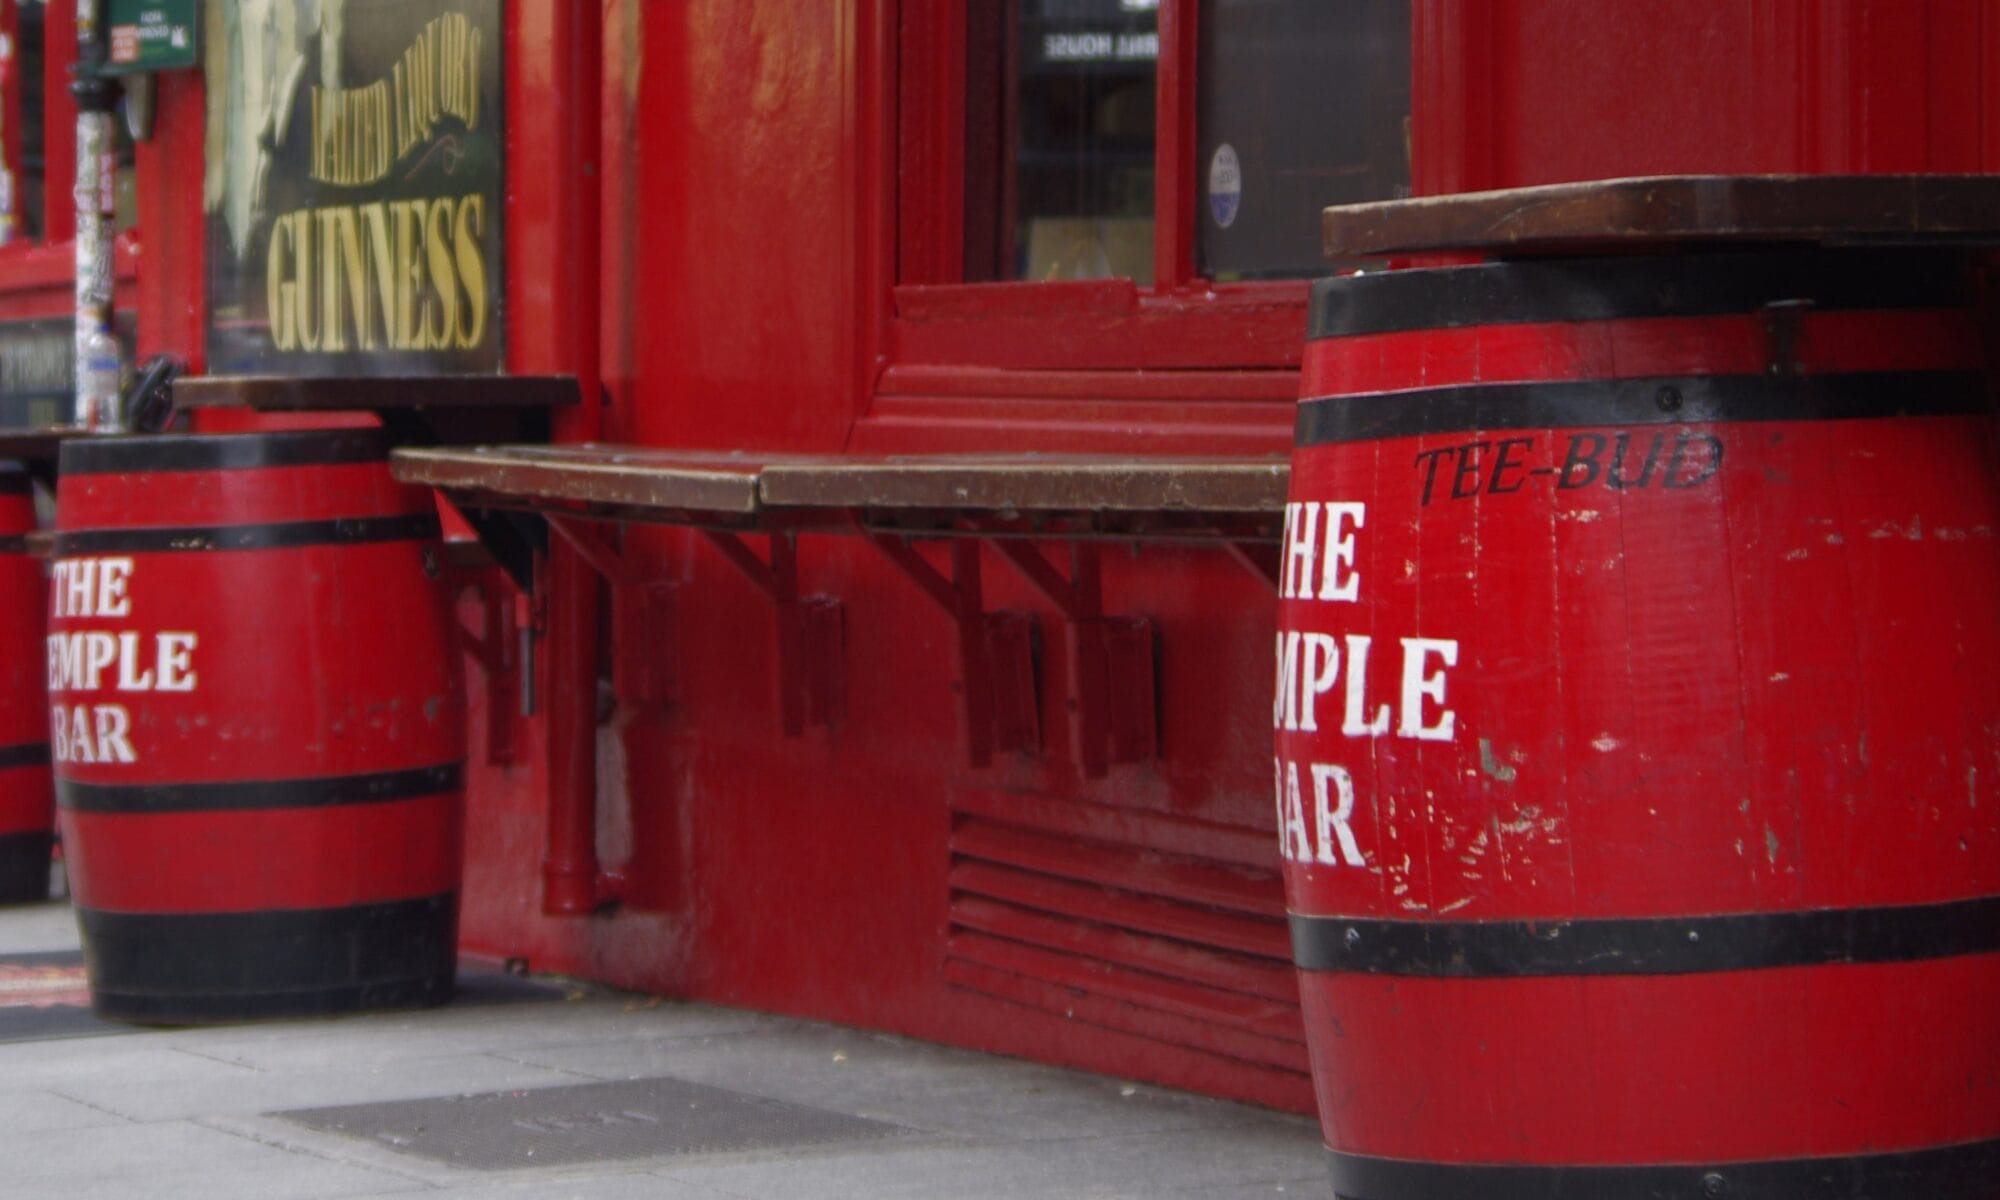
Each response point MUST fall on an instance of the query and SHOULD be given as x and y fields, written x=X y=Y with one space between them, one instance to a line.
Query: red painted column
x=570 y=869
x=553 y=255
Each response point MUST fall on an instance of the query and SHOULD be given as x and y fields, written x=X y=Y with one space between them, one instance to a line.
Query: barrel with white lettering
x=1638 y=729
x=27 y=793
x=257 y=726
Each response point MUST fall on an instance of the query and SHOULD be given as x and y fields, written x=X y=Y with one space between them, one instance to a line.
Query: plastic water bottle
x=98 y=386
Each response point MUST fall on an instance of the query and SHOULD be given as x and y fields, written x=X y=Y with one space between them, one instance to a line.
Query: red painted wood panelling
x=172 y=295
x=1520 y=92
x=749 y=215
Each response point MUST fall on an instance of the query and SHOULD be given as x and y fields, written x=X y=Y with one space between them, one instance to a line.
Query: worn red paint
x=1735 y=661
x=27 y=794
x=181 y=668
x=778 y=197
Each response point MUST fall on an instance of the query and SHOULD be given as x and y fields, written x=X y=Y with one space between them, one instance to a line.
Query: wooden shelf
x=1033 y=483
x=1001 y=506
x=624 y=478
x=36 y=446
x=1050 y=494
x=291 y=393
x=1670 y=210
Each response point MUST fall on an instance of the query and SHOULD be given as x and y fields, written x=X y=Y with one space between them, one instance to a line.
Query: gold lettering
x=472 y=269
x=400 y=91
x=375 y=221
x=402 y=275
x=319 y=124
x=437 y=240
x=351 y=144
x=360 y=134
x=278 y=290
x=385 y=146
x=343 y=143
x=426 y=71
x=360 y=300
x=409 y=216
x=447 y=62
x=332 y=337
x=304 y=299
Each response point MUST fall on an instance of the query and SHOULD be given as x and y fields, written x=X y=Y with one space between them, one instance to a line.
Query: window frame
x=1182 y=321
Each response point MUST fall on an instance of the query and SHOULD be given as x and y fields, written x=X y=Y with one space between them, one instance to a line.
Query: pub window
x=1060 y=139
x=1299 y=104
x=1296 y=104
x=21 y=23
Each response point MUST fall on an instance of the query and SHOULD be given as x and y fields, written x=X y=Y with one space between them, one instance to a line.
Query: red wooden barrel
x=1638 y=729
x=27 y=795
x=257 y=726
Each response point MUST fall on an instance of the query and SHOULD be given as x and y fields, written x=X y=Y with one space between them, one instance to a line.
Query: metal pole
x=571 y=877
x=99 y=368
x=10 y=122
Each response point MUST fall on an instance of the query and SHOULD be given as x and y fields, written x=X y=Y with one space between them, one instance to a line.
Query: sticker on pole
x=1225 y=185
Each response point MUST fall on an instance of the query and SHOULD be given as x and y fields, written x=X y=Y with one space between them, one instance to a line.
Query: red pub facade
x=992 y=769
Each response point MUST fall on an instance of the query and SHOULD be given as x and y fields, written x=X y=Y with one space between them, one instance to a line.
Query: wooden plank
x=623 y=477
x=35 y=445
x=1670 y=209
x=1031 y=483
x=662 y=483
x=290 y=393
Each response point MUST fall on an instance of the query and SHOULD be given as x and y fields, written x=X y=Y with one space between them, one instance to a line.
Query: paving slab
x=537 y=1035
x=38 y=1110
x=933 y=1088
x=181 y=1092
x=1085 y=1167
x=168 y=1160
x=34 y=927
x=161 y=1114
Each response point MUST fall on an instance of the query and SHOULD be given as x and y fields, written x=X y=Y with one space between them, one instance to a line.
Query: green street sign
x=152 y=35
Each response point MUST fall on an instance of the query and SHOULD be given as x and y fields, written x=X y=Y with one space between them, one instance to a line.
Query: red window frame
x=1249 y=334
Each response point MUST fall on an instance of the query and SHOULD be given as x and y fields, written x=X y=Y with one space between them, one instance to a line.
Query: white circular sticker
x=1225 y=185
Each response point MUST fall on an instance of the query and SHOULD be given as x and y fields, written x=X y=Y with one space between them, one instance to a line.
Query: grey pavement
x=808 y=1111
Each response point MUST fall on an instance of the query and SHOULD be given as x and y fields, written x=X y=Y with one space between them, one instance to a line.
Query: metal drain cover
x=590 y=1122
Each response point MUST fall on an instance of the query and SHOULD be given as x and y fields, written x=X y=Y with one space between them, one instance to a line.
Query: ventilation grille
x=1142 y=922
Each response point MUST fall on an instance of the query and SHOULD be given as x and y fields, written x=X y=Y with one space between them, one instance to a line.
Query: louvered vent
x=1137 y=921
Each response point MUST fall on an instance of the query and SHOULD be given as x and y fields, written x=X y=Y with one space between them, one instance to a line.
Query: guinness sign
x=354 y=187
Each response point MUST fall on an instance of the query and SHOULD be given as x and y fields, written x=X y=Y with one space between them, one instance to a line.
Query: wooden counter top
x=667 y=485
x=36 y=445
x=1668 y=210
x=618 y=476
x=291 y=393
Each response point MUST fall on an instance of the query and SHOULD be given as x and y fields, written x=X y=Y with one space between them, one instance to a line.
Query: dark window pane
x=1301 y=104
x=29 y=198
x=1059 y=139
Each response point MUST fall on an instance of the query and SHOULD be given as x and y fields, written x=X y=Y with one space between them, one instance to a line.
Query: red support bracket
x=646 y=669
x=811 y=683
x=997 y=699
x=811 y=633
x=1259 y=558
x=641 y=615
x=496 y=649
x=594 y=548
x=1113 y=714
